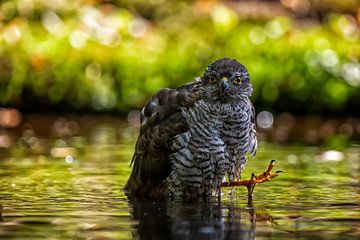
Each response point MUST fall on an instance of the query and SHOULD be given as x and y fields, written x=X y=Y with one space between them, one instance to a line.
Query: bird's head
x=225 y=81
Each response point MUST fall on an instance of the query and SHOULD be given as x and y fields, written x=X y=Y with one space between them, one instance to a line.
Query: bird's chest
x=235 y=128
x=204 y=121
x=204 y=160
x=226 y=122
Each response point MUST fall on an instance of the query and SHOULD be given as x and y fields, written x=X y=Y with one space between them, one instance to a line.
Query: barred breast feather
x=215 y=145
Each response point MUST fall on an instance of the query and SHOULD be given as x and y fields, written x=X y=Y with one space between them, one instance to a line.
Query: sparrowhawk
x=193 y=137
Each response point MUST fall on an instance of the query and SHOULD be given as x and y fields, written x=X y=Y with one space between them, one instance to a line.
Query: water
x=58 y=186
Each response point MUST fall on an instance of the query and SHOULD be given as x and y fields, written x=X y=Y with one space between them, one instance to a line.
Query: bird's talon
x=255 y=179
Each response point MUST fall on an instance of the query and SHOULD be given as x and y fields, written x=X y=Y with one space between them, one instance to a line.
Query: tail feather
x=134 y=180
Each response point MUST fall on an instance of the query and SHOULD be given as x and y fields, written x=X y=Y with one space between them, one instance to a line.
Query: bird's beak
x=224 y=84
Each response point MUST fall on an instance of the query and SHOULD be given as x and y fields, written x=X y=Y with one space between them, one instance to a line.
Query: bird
x=195 y=136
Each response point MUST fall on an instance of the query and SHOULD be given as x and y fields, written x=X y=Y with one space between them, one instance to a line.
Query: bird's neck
x=223 y=108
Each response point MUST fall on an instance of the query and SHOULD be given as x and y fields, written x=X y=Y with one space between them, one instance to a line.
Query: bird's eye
x=212 y=79
x=238 y=80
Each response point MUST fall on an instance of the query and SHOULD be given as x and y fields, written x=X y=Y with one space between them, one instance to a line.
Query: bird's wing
x=253 y=139
x=161 y=120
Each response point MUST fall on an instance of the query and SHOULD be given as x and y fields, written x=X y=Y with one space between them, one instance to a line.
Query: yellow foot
x=254 y=179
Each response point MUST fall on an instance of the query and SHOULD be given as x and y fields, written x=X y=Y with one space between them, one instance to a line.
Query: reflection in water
x=60 y=186
x=1 y=219
x=177 y=220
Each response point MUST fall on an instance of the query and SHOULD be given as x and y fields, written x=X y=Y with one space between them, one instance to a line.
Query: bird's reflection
x=210 y=220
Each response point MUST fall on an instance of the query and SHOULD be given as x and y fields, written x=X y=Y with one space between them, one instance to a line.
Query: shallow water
x=69 y=187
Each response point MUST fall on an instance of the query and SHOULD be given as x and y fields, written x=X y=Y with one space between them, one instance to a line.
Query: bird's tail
x=134 y=180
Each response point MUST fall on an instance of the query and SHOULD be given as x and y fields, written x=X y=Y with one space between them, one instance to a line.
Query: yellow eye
x=238 y=80
x=212 y=79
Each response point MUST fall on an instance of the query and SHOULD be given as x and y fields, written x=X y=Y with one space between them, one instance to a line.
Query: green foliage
x=113 y=57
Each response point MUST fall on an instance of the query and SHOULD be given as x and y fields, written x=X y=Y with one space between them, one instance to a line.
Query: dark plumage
x=192 y=136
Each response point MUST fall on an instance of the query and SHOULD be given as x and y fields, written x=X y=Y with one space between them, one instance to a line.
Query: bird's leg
x=218 y=193
x=251 y=184
x=231 y=178
x=250 y=188
x=255 y=179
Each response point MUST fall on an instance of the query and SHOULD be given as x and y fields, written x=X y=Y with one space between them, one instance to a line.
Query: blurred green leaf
x=115 y=55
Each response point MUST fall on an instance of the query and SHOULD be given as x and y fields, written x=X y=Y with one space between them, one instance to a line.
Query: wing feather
x=161 y=120
x=253 y=138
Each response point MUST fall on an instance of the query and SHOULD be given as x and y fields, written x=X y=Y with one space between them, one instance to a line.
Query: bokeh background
x=74 y=75
x=108 y=57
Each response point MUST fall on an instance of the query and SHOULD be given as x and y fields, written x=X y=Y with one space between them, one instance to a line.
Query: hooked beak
x=224 y=85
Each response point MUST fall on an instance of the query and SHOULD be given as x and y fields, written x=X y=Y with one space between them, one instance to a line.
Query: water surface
x=69 y=187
